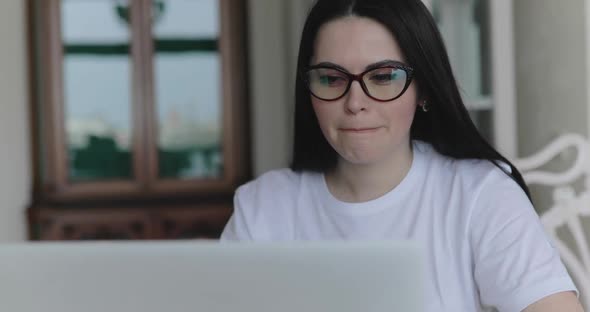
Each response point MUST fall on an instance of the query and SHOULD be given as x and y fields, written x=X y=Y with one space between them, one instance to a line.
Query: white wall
x=551 y=76
x=15 y=172
x=274 y=32
x=551 y=83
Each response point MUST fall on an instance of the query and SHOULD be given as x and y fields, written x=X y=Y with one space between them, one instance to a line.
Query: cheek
x=400 y=119
x=405 y=114
x=322 y=112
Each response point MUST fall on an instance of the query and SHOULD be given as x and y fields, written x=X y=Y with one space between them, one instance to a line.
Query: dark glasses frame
x=359 y=77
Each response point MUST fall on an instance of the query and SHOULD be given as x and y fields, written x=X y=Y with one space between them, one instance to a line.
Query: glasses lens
x=327 y=83
x=385 y=83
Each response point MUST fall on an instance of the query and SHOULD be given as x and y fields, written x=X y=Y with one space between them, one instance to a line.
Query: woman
x=385 y=149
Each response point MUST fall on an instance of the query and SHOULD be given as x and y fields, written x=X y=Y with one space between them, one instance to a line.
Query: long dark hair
x=446 y=126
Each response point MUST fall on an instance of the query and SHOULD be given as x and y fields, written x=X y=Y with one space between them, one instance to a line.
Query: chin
x=365 y=159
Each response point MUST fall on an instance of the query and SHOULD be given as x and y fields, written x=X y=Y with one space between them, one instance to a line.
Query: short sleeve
x=515 y=265
x=237 y=228
x=263 y=208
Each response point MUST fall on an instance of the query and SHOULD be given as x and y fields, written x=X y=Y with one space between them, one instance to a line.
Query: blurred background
x=136 y=119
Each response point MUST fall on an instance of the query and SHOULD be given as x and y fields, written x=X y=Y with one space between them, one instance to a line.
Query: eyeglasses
x=384 y=83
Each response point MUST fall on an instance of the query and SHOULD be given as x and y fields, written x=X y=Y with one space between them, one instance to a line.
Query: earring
x=424 y=106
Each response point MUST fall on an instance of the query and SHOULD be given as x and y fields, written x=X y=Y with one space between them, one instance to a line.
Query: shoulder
x=278 y=182
x=263 y=207
x=472 y=175
x=477 y=190
x=486 y=194
x=272 y=193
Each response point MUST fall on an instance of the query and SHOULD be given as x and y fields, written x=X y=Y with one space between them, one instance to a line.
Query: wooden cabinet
x=139 y=117
x=128 y=222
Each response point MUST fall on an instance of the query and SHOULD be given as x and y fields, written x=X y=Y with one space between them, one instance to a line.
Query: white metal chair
x=568 y=208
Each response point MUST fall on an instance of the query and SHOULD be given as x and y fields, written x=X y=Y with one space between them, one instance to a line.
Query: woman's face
x=360 y=129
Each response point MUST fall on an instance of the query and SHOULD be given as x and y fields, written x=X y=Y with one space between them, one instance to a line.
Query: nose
x=356 y=101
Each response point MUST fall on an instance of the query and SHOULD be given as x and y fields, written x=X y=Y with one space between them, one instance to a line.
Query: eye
x=331 y=80
x=328 y=77
x=383 y=76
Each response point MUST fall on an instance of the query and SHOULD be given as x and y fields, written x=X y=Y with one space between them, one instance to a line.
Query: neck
x=350 y=182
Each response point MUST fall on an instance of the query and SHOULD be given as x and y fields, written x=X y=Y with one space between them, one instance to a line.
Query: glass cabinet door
x=97 y=68
x=197 y=100
x=89 y=122
x=139 y=99
x=187 y=89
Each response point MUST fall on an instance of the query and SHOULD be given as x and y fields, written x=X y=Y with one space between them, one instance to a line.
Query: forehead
x=355 y=42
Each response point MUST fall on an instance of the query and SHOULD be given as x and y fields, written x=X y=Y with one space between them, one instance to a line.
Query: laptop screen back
x=208 y=276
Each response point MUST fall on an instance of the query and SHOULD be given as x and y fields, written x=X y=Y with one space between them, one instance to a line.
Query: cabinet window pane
x=465 y=28
x=187 y=88
x=96 y=69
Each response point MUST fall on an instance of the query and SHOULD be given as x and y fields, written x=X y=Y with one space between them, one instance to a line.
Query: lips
x=359 y=130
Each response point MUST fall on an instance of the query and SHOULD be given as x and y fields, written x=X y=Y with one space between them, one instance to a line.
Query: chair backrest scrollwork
x=568 y=207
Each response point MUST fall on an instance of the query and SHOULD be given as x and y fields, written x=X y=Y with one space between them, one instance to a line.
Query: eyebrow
x=368 y=67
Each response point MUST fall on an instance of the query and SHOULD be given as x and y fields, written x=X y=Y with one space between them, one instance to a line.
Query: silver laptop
x=208 y=276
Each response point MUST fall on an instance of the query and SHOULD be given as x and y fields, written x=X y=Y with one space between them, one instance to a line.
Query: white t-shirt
x=484 y=243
